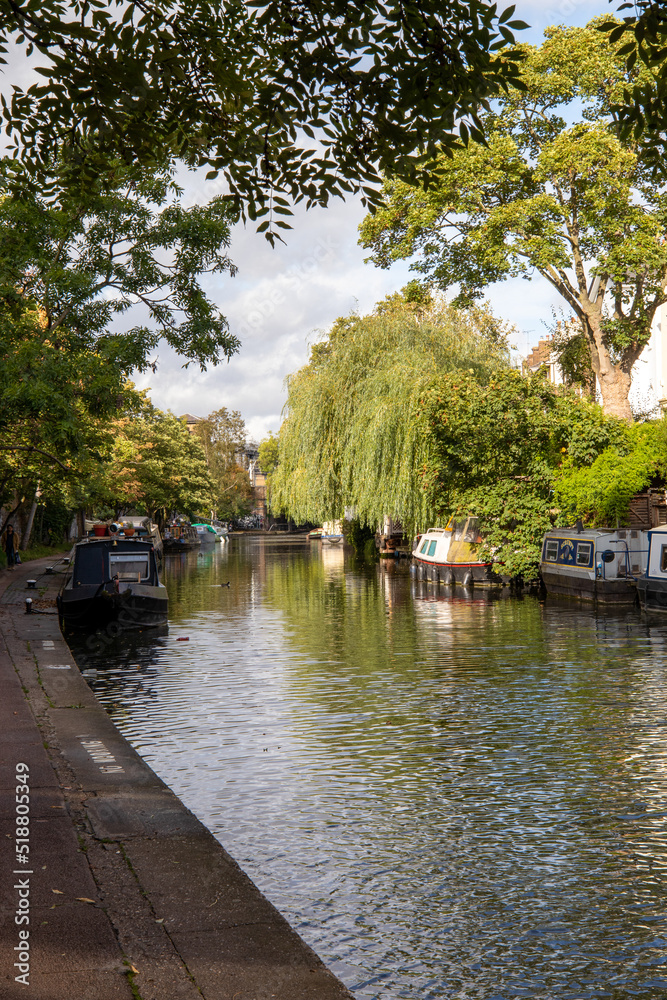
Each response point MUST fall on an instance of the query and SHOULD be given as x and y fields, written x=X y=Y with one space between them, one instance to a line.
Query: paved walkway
x=124 y=893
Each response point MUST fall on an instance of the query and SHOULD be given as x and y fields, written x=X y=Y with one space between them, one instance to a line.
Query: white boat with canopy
x=449 y=555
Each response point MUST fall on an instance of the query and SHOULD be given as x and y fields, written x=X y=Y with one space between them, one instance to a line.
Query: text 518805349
x=22 y=884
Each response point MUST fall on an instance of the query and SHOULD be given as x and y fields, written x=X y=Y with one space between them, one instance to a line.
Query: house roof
x=539 y=355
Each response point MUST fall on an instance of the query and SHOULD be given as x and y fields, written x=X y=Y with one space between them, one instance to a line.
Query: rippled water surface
x=448 y=797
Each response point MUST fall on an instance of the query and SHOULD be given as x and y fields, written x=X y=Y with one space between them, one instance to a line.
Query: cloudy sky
x=284 y=299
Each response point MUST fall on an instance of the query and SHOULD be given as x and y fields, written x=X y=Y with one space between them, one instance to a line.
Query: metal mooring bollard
x=28 y=605
x=31 y=584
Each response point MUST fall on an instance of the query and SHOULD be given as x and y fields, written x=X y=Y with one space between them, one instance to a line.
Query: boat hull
x=88 y=608
x=652 y=595
x=172 y=545
x=612 y=592
x=457 y=574
x=208 y=541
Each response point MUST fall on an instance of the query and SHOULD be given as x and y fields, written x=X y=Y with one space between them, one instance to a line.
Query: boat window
x=472 y=533
x=663 y=559
x=457 y=529
x=424 y=545
x=133 y=566
x=89 y=564
x=431 y=548
x=584 y=553
x=551 y=550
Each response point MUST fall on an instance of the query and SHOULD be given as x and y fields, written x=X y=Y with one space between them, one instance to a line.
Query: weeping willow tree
x=354 y=433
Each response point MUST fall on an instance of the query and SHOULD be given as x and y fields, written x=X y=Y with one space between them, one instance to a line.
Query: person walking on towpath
x=10 y=543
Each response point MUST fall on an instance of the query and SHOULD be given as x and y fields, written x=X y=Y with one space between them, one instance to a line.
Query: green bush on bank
x=496 y=451
x=600 y=493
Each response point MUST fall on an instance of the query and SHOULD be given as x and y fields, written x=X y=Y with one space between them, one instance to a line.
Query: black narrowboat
x=113 y=580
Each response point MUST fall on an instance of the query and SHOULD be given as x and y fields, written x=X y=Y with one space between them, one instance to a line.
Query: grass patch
x=37 y=552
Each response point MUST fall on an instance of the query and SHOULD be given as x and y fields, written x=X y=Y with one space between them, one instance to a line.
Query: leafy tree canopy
x=85 y=261
x=243 y=87
x=269 y=459
x=269 y=454
x=61 y=458
x=154 y=465
x=354 y=434
x=640 y=111
x=223 y=437
x=565 y=198
x=72 y=275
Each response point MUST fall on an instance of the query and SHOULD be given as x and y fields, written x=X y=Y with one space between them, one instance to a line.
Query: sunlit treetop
x=555 y=192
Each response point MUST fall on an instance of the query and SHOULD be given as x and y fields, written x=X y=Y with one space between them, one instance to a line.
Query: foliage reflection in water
x=447 y=796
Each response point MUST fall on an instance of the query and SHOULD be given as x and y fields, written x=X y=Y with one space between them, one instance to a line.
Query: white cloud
x=276 y=305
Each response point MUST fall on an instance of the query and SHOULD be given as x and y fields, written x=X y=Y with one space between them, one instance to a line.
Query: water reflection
x=448 y=796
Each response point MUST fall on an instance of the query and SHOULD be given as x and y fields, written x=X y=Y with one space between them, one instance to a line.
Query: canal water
x=449 y=796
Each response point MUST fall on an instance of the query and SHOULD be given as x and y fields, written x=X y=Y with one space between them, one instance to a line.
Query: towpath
x=123 y=893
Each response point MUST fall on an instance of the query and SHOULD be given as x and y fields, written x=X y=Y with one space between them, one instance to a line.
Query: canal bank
x=124 y=893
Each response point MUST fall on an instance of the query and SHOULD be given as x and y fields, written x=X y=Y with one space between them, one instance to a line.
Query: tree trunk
x=614 y=388
x=614 y=382
x=25 y=541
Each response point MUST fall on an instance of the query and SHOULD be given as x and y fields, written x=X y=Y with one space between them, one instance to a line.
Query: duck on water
x=112 y=579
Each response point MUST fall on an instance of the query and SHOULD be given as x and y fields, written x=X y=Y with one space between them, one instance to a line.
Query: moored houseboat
x=450 y=555
x=594 y=565
x=652 y=583
x=180 y=536
x=207 y=534
x=112 y=579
